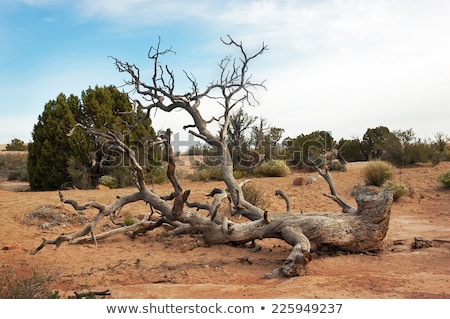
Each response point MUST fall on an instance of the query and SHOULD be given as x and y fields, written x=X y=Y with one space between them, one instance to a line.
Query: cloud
x=143 y=12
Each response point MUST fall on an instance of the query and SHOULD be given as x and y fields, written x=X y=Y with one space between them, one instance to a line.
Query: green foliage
x=351 y=150
x=56 y=159
x=273 y=168
x=377 y=173
x=307 y=150
x=16 y=145
x=79 y=173
x=399 y=189
x=36 y=286
x=254 y=195
x=157 y=174
x=264 y=140
x=374 y=142
x=129 y=220
x=207 y=173
x=108 y=181
x=47 y=155
x=444 y=178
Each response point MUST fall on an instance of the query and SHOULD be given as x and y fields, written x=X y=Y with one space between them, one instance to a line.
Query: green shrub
x=238 y=174
x=109 y=181
x=129 y=220
x=377 y=173
x=399 y=189
x=273 y=168
x=157 y=175
x=206 y=173
x=444 y=178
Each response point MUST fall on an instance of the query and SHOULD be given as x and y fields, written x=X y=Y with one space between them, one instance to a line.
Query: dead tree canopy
x=354 y=229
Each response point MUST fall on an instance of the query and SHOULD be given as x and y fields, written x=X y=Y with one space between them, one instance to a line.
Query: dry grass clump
x=273 y=168
x=35 y=286
x=399 y=189
x=50 y=215
x=254 y=195
x=377 y=173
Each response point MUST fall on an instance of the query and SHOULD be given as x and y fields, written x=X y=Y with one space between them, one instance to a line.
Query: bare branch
x=280 y=193
x=346 y=208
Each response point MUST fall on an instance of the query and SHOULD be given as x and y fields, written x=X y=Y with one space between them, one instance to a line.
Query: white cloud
x=142 y=12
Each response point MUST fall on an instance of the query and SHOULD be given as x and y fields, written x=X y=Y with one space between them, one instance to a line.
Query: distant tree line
x=56 y=160
x=252 y=140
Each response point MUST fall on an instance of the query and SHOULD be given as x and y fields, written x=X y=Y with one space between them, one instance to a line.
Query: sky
x=341 y=66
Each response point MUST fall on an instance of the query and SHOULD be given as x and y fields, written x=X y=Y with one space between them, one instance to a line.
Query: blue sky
x=336 y=65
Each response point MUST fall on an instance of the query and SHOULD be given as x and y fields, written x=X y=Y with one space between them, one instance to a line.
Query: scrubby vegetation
x=35 y=286
x=399 y=189
x=444 y=178
x=254 y=195
x=377 y=173
x=13 y=166
x=108 y=181
x=272 y=168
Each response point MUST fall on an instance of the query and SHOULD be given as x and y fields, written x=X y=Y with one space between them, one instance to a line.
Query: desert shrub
x=444 y=178
x=254 y=195
x=207 y=174
x=16 y=145
x=377 y=173
x=158 y=174
x=13 y=166
x=18 y=174
x=273 y=168
x=129 y=220
x=36 y=286
x=238 y=174
x=108 y=180
x=337 y=165
x=399 y=189
x=212 y=173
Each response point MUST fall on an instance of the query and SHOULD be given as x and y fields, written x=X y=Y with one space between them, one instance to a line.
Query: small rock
x=299 y=181
x=11 y=246
x=420 y=242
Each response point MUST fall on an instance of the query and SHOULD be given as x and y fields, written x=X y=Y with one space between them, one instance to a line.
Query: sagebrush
x=444 y=178
x=377 y=173
x=273 y=168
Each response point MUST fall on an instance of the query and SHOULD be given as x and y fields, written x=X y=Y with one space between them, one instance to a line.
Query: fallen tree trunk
x=362 y=230
x=356 y=229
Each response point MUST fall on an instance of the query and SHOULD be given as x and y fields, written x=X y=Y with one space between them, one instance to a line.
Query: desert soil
x=156 y=265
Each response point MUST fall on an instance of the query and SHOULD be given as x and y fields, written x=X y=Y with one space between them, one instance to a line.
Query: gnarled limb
x=280 y=193
x=346 y=208
x=218 y=195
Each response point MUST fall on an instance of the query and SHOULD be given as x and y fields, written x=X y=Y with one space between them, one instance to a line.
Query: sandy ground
x=158 y=266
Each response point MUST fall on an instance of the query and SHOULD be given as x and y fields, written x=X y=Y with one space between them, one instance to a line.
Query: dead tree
x=355 y=229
